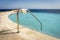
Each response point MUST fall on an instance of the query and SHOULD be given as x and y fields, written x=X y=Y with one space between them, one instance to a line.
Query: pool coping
x=26 y=33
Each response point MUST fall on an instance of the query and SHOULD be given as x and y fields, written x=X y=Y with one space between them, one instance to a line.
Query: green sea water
x=50 y=22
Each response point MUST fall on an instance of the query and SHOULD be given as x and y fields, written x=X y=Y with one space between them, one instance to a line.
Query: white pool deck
x=25 y=33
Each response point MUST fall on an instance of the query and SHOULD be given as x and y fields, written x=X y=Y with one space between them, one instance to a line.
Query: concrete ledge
x=25 y=33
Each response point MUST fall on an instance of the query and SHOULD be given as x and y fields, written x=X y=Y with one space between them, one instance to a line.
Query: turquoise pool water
x=50 y=22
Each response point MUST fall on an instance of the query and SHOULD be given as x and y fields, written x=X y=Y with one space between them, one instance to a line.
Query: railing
x=24 y=11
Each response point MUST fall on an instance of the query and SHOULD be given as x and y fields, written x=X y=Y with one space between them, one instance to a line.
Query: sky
x=30 y=4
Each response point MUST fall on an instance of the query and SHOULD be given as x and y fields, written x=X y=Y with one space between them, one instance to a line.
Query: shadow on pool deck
x=9 y=35
x=25 y=33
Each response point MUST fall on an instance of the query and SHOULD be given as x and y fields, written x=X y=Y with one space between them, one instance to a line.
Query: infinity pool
x=50 y=22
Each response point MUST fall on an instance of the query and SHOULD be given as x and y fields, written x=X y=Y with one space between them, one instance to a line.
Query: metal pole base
x=18 y=32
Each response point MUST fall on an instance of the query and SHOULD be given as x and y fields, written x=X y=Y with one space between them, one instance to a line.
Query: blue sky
x=30 y=4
